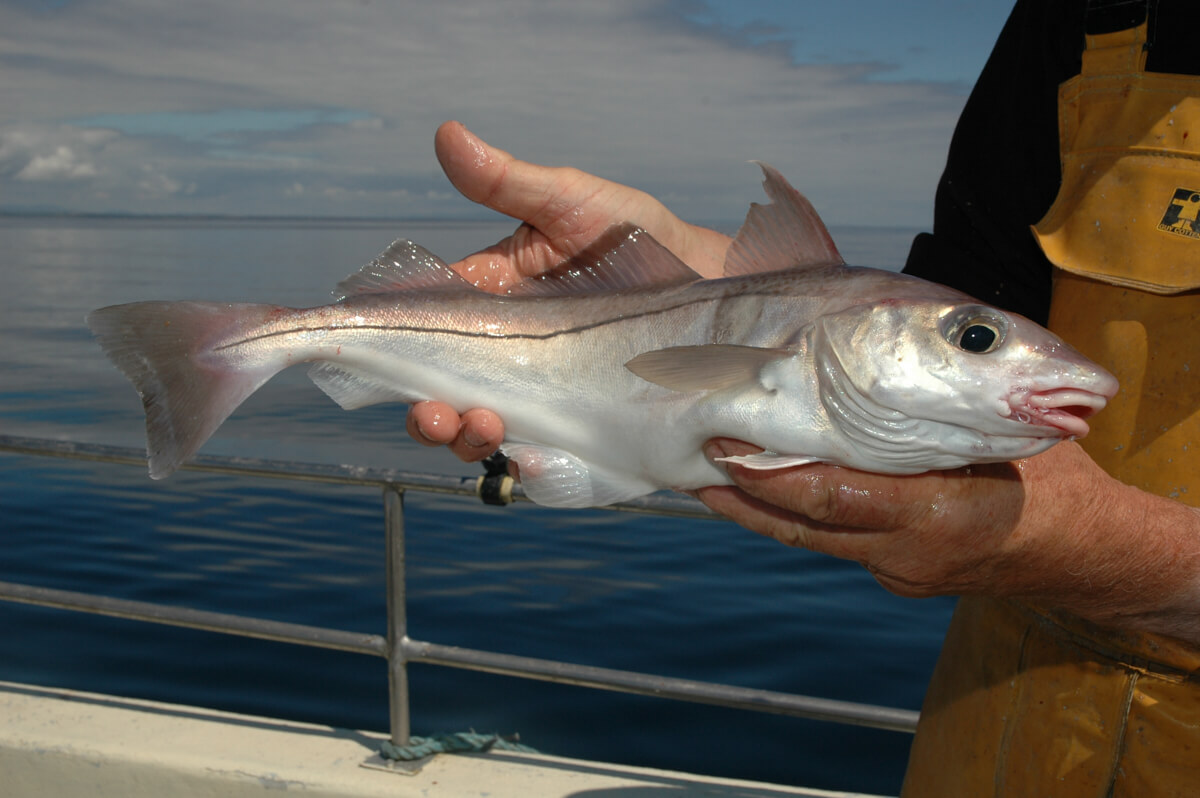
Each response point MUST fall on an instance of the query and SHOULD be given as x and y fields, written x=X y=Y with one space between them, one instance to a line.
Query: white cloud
x=156 y=184
x=626 y=88
x=369 y=123
x=51 y=154
x=62 y=164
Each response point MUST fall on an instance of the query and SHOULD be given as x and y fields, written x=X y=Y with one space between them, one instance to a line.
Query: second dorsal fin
x=623 y=257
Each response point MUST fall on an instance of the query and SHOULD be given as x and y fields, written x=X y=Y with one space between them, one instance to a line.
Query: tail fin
x=187 y=387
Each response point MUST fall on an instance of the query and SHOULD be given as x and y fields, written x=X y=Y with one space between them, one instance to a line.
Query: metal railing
x=396 y=646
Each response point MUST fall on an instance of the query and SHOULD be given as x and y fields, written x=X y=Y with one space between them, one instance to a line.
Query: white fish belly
x=568 y=402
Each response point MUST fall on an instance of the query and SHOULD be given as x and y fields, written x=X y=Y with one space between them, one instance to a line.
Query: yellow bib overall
x=1025 y=702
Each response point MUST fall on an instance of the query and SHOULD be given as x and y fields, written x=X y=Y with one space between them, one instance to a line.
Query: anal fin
x=352 y=389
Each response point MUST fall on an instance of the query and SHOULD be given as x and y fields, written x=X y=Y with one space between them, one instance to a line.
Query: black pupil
x=978 y=338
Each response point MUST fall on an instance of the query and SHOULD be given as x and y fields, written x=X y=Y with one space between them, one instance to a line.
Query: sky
x=328 y=107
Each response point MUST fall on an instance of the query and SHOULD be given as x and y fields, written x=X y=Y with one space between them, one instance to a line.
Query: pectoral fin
x=710 y=367
x=769 y=461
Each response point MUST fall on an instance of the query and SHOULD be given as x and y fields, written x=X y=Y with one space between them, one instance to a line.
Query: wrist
x=1157 y=588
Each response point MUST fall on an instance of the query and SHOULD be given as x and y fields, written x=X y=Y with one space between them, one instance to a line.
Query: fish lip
x=1063 y=409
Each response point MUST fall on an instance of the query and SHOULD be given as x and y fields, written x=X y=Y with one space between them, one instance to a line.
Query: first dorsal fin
x=786 y=233
x=403 y=266
x=623 y=257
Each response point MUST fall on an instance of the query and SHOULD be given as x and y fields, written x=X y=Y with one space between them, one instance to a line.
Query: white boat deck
x=57 y=743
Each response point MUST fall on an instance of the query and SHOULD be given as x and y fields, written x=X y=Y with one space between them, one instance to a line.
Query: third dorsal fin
x=623 y=257
x=786 y=233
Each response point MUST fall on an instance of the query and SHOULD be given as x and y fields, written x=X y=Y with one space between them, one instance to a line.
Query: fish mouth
x=1063 y=409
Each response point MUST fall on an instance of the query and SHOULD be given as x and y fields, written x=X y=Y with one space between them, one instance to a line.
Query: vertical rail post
x=397 y=615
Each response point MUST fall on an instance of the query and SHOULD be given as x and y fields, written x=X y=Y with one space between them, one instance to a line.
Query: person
x=1072 y=665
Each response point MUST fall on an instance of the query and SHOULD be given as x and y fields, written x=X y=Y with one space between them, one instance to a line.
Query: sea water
x=702 y=600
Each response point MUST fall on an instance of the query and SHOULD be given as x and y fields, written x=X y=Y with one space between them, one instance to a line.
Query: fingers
x=919 y=535
x=471 y=437
x=432 y=423
x=762 y=517
x=824 y=496
x=806 y=507
x=482 y=433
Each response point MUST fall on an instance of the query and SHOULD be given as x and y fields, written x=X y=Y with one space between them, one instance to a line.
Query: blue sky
x=328 y=107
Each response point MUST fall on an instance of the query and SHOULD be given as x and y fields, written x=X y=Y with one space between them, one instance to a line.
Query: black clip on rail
x=495 y=486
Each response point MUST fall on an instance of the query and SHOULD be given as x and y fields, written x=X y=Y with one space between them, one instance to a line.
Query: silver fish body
x=612 y=371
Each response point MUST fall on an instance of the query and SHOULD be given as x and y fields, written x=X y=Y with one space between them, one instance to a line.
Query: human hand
x=1053 y=529
x=919 y=535
x=562 y=211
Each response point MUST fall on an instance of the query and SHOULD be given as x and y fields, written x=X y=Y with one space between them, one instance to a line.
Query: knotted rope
x=457 y=743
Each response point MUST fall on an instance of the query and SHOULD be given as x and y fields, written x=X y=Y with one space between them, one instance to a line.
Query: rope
x=457 y=743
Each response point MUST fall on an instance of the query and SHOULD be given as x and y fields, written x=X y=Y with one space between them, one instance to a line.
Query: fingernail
x=713 y=450
x=419 y=431
x=432 y=423
x=473 y=438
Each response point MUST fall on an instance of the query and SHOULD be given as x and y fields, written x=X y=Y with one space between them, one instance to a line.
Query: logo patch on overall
x=1182 y=213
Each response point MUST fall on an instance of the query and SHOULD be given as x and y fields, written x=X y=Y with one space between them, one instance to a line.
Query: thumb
x=492 y=177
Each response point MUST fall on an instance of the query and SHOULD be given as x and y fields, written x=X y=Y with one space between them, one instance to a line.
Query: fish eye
x=979 y=338
x=977 y=330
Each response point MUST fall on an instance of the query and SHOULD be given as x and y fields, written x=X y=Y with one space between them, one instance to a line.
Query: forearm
x=1126 y=558
x=1162 y=591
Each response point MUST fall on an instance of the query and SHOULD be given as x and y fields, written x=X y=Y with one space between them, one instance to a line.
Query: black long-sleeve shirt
x=1003 y=170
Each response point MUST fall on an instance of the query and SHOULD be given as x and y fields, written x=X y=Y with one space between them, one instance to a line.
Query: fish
x=611 y=370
